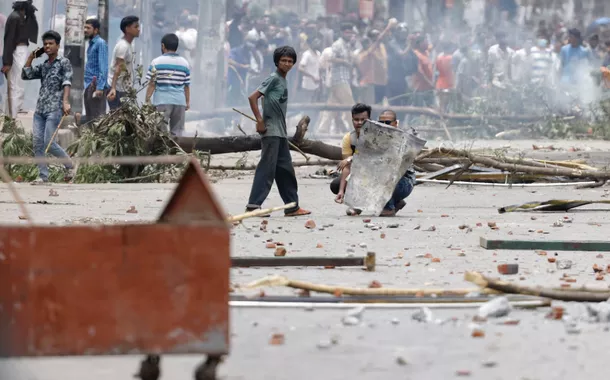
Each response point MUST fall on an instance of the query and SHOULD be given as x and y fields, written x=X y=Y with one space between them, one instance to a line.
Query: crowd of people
x=345 y=59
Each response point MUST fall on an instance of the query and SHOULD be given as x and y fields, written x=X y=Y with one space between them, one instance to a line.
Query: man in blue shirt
x=96 y=71
x=575 y=59
x=169 y=80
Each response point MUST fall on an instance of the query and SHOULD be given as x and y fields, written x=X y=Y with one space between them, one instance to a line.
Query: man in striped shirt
x=169 y=79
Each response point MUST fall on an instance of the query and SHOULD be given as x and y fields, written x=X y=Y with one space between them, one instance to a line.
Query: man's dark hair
x=95 y=23
x=284 y=51
x=391 y=113
x=128 y=21
x=575 y=33
x=171 y=41
x=20 y=6
x=347 y=26
x=51 y=35
x=360 y=108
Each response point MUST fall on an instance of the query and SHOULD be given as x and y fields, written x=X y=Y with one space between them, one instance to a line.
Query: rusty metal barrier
x=121 y=289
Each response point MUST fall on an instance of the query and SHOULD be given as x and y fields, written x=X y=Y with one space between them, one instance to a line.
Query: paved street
x=536 y=348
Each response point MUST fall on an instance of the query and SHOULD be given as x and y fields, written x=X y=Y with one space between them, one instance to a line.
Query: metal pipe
x=245 y=262
x=372 y=306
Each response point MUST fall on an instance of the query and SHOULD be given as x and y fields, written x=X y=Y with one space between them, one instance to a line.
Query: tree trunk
x=236 y=144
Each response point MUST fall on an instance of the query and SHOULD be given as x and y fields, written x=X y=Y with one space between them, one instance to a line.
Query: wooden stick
x=283 y=281
x=252 y=214
x=9 y=183
x=556 y=294
x=55 y=134
x=291 y=144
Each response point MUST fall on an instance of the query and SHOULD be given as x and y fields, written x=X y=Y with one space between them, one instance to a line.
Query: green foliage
x=131 y=130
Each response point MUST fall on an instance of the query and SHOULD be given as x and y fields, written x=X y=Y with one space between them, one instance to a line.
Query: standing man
x=21 y=28
x=169 y=79
x=55 y=75
x=276 y=162
x=341 y=66
x=121 y=73
x=575 y=59
x=96 y=71
x=499 y=59
x=423 y=79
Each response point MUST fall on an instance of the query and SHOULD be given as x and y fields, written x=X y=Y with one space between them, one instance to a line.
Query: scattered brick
x=277 y=339
x=556 y=312
x=508 y=268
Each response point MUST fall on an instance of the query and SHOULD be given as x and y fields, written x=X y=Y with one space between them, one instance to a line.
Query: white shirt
x=123 y=50
x=500 y=61
x=310 y=62
x=325 y=58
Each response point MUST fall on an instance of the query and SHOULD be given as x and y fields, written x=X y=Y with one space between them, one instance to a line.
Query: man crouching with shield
x=360 y=114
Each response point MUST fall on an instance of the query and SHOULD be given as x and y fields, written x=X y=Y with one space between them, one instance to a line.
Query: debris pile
x=130 y=130
x=444 y=165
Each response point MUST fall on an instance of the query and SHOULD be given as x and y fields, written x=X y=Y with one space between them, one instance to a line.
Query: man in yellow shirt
x=360 y=114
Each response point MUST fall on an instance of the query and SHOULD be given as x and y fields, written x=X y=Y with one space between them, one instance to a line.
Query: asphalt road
x=317 y=344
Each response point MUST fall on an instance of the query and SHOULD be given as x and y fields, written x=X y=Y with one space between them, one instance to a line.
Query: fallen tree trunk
x=237 y=144
x=421 y=111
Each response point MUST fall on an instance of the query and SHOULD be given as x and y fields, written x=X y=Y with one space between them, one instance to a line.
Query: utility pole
x=102 y=16
x=76 y=15
x=209 y=62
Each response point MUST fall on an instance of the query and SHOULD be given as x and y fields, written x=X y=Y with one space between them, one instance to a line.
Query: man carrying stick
x=276 y=162
x=55 y=75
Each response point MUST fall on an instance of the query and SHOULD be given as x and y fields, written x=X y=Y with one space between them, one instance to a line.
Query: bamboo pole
x=510 y=288
x=320 y=288
x=54 y=134
x=253 y=214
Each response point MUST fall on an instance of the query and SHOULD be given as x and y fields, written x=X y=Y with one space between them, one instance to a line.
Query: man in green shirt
x=276 y=162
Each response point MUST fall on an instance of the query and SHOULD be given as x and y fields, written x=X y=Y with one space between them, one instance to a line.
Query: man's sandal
x=299 y=212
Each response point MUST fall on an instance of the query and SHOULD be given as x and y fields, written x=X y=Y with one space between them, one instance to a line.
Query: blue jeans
x=43 y=129
x=402 y=190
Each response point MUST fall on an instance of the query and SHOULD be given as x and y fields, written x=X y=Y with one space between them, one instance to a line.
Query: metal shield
x=383 y=155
